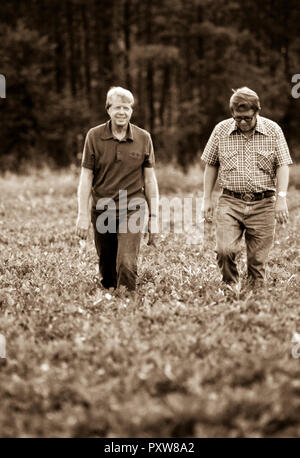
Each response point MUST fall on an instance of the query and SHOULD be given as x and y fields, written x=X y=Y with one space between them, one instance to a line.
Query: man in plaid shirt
x=249 y=155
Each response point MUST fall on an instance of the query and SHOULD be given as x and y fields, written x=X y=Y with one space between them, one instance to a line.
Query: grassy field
x=184 y=358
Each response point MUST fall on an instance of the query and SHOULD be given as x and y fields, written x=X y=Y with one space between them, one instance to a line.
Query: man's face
x=120 y=111
x=245 y=120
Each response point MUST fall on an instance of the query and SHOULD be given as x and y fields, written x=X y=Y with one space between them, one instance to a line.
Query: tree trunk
x=86 y=31
x=72 y=65
x=150 y=70
x=127 y=25
x=164 y=93
x=60 y=51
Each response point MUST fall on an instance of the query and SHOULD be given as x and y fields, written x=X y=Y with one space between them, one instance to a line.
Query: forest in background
x=180 y=58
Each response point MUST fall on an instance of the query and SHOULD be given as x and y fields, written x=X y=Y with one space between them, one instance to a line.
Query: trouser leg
x=107 y=260
x=259 y=236
x=107 y=246
x=229 y=232
x=128 y=250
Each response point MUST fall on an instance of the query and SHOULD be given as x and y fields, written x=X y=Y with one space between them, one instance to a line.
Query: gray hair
x=244 y=99
x=124 y=94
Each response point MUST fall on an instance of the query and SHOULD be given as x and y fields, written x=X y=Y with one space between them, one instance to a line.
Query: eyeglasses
x=243 y=118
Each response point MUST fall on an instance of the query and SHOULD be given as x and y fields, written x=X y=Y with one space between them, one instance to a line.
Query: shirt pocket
x=135 y=155
x=229 y=160
x=266 y=161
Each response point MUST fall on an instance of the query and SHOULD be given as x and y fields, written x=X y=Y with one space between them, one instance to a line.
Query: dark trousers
x=118 y=254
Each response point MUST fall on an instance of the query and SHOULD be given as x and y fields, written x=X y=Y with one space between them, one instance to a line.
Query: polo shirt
x=117 y=164
x=247 y=164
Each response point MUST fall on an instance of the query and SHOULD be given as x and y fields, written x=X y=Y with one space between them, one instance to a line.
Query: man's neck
x=249 y=133
x=119 y=131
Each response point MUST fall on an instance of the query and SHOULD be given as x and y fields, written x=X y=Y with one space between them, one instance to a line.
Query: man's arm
x=84 y=193
x=281 y=209
x=211 y=157
x=210 y=177
x=152 y=198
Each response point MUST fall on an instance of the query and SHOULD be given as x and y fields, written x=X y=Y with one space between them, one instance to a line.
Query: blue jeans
x=118 y=254
x=257 y=220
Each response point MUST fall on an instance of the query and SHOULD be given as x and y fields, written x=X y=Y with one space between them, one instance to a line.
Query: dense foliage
x=186 y=357
x=180 y=58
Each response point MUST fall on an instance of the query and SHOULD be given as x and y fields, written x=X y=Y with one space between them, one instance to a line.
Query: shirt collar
x=259 y=127
x=107 y=133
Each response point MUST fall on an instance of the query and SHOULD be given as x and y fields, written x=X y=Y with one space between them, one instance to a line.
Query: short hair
x=244 y=99
x=124 y=94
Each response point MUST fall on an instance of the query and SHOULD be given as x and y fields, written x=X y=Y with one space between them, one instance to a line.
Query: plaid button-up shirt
x=247 y=164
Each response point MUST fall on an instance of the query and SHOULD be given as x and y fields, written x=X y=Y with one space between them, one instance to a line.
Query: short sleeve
x=149 y=160
x=88 y=156
x=210 y=154
x=282 y=150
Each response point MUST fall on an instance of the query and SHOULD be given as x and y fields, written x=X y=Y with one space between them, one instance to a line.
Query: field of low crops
x=184 y=357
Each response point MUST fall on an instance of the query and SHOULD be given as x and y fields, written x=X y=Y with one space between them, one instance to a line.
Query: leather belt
x=249 y=196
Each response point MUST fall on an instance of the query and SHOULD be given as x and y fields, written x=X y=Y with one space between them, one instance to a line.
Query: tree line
x=180 y=58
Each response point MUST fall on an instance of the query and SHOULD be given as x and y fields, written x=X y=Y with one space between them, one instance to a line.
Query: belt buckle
x=248 y=196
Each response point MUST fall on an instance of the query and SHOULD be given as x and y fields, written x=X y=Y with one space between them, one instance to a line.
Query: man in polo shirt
x=250 y=155
x=118 y=169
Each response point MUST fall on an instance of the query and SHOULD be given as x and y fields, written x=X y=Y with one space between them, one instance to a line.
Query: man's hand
x=153 y=231
x=207 y=209
x=152 y=240
x=82 y=226
x=281 y=210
